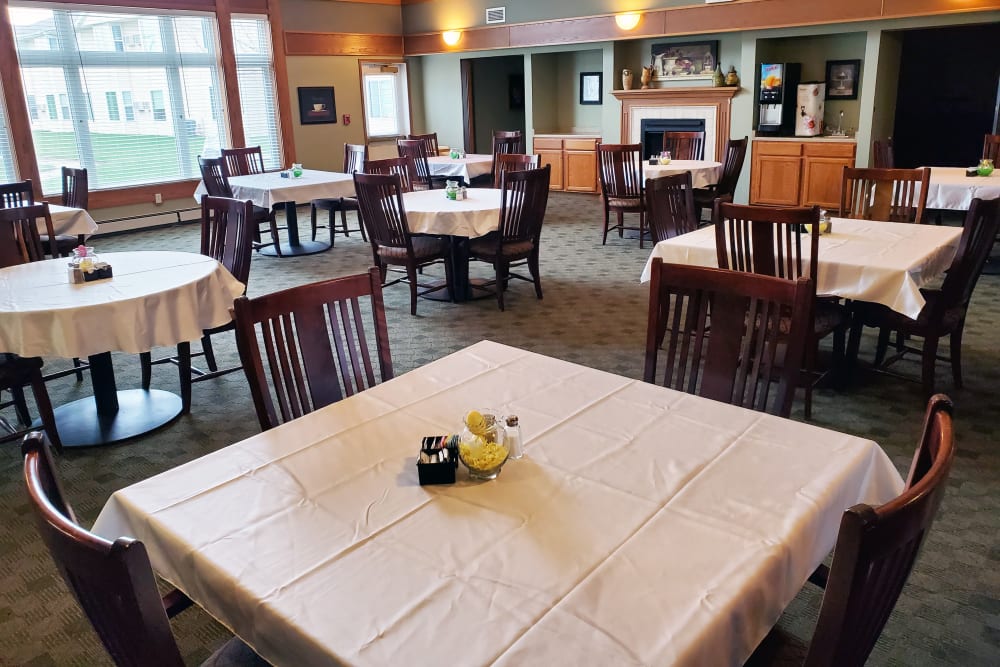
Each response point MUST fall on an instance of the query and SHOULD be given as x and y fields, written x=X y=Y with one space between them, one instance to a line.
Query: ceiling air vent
x=496 y=15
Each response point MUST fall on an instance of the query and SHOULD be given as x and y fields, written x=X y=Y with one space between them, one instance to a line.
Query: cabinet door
x=774 y=179
x=554 y=158
x=581 y=171
x=821 y=180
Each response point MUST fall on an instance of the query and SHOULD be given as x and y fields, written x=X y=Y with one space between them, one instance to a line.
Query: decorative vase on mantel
x=647 y=74
x=718 y=80
x=626 y=79
x=732 y=78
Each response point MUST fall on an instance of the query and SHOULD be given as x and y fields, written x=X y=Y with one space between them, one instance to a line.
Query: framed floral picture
x=684 y=60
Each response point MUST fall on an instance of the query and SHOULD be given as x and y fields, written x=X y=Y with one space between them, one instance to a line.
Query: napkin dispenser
x=438 y=460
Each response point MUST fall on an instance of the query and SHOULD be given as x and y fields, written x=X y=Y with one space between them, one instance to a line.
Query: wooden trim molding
x=17 y=107
x=720 y=98
x=281 y=82
x=225 y=26
x=141 y=194
x=342 y=44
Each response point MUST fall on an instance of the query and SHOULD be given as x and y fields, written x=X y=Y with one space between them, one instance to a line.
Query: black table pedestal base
x=293 y=250
x=139 y=411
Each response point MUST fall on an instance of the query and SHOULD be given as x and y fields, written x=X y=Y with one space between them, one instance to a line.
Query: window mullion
x=175 y=91
x=79 y=114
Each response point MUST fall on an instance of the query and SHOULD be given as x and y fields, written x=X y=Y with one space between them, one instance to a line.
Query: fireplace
x=651 y=131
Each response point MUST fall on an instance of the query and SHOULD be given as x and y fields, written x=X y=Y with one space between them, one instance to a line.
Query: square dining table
x=466 y=168
x=643 y=525
x=703 y=172
x=880 y=262
x=70 y=221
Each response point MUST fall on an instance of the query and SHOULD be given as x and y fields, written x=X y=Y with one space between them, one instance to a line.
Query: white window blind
x=7 y=171
x=125 y=94
x=258 y=97
x=387 y=109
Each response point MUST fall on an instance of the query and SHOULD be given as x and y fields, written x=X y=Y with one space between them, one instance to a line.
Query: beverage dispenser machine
x=778 y=87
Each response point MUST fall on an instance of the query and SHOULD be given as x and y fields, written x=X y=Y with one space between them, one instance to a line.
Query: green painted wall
x=557 y=105
x=491 y=79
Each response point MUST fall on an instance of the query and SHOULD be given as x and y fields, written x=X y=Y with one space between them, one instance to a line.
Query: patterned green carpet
x=593 y=313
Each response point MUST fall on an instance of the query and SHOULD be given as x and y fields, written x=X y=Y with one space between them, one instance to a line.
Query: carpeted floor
x=594 y=313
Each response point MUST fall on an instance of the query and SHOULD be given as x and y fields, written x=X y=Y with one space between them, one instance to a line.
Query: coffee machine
x=778 y=88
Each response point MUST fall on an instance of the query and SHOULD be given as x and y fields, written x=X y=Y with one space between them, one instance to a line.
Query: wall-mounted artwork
x=842 y=79
x=590 y=87
x=316 y=105
x=685 y=60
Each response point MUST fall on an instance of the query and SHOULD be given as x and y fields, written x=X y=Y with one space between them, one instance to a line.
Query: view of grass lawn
x=122 y=159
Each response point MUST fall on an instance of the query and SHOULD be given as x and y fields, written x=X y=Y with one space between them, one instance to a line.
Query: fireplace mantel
x=719 y=99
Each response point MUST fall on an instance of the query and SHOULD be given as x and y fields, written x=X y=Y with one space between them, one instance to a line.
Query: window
x=167 y=65
x=387 y=110
x=32 y=107
x=258 y=97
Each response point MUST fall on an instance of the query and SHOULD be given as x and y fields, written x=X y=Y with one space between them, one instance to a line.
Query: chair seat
x=235 y=653
x=261 y=214
x=336 y=204
x=624 y=203
x=877 y=315
x=486 y=247
x=64 y=244
x=829 y=316
x=16 y=370
x=704 y=196
x=423 y=248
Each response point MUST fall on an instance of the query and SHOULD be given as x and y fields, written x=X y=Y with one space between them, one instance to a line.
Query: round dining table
x=153 y=299
x=703 y=172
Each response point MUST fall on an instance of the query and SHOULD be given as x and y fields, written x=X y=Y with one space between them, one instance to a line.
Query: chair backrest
x=510 y=134
x=524 y=197
x=736 y=153
x=314 y=345
x=749 y=346
x=227 y=228
x=991 y=148
x=893 y=195
x=685 y=145
x=75 y=188
x=243 y=161
x=506 y=143
x=20 y=239
x=417 y=152
x=513 y=162
x=393 y=166
x=883 y=155
x=380 y=202
x=430 y=142
x=20 y=193
x=215 y=176
x=670 y=206
x=876 y=549
x=112 y=581
x=982 y=223
x=620 y=170
x=355 y=157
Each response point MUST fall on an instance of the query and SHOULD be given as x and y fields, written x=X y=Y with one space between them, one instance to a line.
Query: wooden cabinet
x=573 y=160
x=799 y=173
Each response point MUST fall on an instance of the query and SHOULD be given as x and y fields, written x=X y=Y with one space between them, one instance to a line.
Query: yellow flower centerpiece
x=481 y=446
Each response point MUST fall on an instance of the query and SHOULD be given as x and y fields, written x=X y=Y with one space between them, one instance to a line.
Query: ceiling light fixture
x=628 y=20
x=451 y=37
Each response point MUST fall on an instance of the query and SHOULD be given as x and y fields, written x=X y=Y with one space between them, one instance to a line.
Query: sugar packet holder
x=438 y=459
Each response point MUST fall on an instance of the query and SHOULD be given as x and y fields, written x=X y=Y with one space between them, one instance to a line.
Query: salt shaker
x=513 y=438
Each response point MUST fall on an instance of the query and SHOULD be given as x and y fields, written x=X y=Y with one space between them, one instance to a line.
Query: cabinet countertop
x=570 y=135
x=826 y=140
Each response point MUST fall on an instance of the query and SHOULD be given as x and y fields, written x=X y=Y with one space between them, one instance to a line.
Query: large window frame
x=378 y=80
x=255 y=68
x=8 y=167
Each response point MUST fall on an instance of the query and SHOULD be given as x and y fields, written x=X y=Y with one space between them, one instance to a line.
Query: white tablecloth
x=69 y=221
x=643 y=525
x=881 y=262
x=468 y=167
x=270 y=188
x=950 y=188
x=703 y=172
x=430 y=212
x=154 y=298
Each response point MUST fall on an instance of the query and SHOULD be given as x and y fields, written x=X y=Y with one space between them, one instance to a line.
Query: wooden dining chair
x=769 y=241
x=112 y=581
x=505 y=143
x=670 y=206
x=355 y=156
x=227 y=236
x=759 y=330
x=889 y=195
x=381 y=201
x=416 y=151
x=215 y=175
x=883 y=154
x=736 y=153
x=685 y=145
x=393 y=166
x=19 y=193
x=430 y=142
x=991 y=148
x=877 y=548
x=513 y=162
x=524 y=196
x=75 y=194
x=945 y=307
x=244 y=161
x=620 y=171
x=306 y=347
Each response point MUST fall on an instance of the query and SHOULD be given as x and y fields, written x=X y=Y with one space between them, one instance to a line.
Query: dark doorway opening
x=492 y=99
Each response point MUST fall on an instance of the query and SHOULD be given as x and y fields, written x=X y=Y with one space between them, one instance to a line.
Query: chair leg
x=343 y=218
x=77 y=364
x=853 y=344
x=45 y=412
x=206 y=346
x=883 y=344
x=810 y=366
x=411 y=273
x=642 y=229
x=501 y=278
x=184 y=372
x=533 y=270
x=146 y=366
x=20 y=406
x=621 y=224
x=607 y=221
x=449 y=278
x=955 y=340
x=838 y=359
x=312 y=222
x=928 y=364
x=274 y=235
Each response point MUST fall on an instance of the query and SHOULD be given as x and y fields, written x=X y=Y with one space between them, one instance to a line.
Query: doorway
x=492 y=99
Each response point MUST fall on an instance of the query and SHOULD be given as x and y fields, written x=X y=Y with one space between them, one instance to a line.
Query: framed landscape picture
x=590 y=87
x=842 y=79
x=316 y=105
x=684 y=60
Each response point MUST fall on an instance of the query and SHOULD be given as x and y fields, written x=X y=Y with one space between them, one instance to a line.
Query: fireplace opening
x=651 y=131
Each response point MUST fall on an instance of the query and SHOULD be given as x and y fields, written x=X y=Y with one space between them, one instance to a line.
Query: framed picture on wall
x=317 y=105
x=590 y=87
x=515 y=92
x=842 y=79
x=684 y=60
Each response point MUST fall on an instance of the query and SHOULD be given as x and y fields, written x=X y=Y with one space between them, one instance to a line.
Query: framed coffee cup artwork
x=317 y=105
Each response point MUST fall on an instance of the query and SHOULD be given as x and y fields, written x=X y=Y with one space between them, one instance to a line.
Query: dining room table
x=866 y=260
x=69 y=221
x=703 y=172
x=431 y=212
x=154 y=298
x=950 y=189
x=272 y=188
x=642 y=525
x=466 y=167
